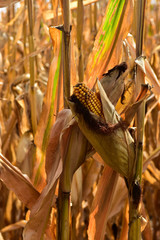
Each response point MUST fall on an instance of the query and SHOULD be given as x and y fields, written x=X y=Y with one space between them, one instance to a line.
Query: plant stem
x=134 y=215
x=65 y=216
x=66 y=51
x=32 y=69
x=140 y=79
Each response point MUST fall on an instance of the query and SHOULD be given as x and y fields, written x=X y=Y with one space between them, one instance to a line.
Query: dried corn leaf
x=72 y=138
x=101 y=204
x=53 y=148
x=127 y=97
x=15 y=226
x=113 y=82
x=91 y=169
x=25 y=152
x=151 y=77
x=132 y=109
x=18 y=182
x=40 y=213
x=109 y=200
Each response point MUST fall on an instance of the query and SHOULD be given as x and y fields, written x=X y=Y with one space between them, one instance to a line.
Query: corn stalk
x=64 y=196
x=66 y=50
x=134 y=215
x=32 y=68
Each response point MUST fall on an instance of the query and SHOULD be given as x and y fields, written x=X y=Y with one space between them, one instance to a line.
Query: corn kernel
x=88 y=98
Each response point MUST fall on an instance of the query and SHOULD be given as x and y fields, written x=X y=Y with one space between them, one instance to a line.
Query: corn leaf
x=101 y=204
x=108 y=40
x=18 y=182
x=47 y=115
x=109 y=200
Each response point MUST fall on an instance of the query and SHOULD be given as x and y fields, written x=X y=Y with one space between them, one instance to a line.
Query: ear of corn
x=88 y=98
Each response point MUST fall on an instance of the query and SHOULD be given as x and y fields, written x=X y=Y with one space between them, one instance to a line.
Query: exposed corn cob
x=88 y=98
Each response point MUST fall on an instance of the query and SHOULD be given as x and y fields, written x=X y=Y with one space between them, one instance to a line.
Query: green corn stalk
x=134 y=215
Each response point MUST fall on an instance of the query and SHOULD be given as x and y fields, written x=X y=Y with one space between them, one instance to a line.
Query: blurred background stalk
x=95 y=18
x=32 y=67
x=80 y=16
x=134 y=214
x=25 y=39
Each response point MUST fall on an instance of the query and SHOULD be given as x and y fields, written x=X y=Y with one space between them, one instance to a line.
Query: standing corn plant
x=91 y=150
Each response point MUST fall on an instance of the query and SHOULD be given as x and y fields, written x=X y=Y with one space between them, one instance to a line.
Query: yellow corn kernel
x=88 y=98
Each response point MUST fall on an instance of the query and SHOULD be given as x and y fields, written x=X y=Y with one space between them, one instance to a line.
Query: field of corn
x=79 y=119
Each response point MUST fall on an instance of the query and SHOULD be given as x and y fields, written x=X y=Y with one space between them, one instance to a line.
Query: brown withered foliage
x=49 y=153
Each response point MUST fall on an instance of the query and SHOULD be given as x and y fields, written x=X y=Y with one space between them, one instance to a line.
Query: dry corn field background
x=79 y=119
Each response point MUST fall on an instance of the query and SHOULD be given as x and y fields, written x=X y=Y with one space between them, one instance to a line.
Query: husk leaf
x=116 y=149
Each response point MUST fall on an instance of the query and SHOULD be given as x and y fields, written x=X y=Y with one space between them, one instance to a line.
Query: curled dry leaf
x=132 y=109
x=24 y=153
x=127 y=97
x=151 y=77
x=15 y=226
x=113 y=82
x=18 y=182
